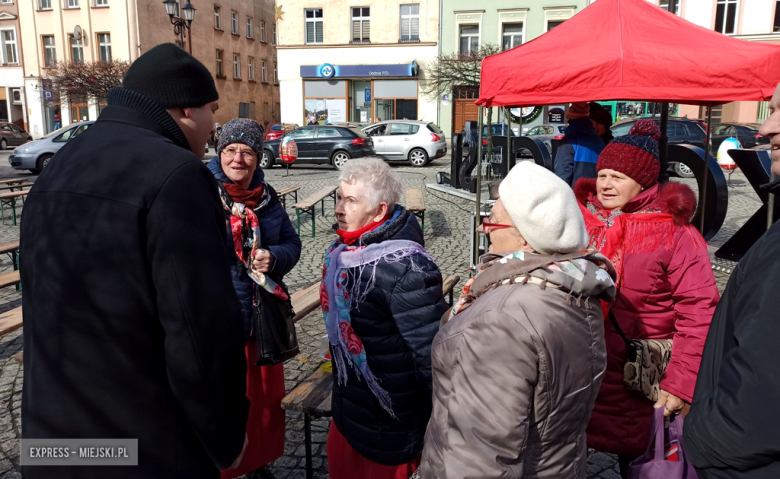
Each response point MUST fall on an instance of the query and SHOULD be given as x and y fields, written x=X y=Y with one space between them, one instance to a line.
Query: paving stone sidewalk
x=447 y=226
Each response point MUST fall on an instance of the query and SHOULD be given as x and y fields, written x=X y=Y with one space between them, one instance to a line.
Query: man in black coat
x=132 y=328
x=733 y=429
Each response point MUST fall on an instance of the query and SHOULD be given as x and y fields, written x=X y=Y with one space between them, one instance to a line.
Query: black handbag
x=273 y=328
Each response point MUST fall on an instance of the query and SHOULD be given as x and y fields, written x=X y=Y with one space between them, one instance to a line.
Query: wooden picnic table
x=9 y=199
x=308 y=205
x=13 y=181
x=15 y=186
x=415 y=204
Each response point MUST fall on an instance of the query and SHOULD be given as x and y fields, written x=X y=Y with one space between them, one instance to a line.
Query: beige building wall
x=136 y=26
x=337 y=18
x=382 y=47
x=204 y=39
x=754 y=21
x=60 y=22
x=12 y=107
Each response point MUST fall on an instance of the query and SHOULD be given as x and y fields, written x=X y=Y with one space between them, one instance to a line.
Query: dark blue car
x=321 y=145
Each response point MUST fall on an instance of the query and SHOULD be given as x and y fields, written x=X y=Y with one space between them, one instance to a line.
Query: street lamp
x=180 y=25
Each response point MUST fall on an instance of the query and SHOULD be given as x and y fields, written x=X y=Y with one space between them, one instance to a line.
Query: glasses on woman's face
x=230 y=153
x=490 y=225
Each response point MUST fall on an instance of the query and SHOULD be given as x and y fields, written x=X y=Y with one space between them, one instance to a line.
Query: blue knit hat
x=242 y=130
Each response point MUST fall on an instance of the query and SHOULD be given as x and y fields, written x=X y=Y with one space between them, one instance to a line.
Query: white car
x=417 y=142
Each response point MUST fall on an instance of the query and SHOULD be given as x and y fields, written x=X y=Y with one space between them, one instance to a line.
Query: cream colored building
x=12 y=107
x=356 y=61
x=753 y=20
x=125 y=29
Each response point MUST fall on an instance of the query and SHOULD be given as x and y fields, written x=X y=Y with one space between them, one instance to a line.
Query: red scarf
x=349 y=237
x=251 y=198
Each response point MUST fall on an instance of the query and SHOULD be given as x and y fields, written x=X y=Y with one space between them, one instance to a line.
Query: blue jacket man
x=580 y=147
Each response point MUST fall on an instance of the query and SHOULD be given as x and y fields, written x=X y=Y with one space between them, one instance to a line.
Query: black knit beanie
x=171 y=77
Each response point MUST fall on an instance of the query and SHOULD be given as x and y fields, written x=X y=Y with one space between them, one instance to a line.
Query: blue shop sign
x=326 y=70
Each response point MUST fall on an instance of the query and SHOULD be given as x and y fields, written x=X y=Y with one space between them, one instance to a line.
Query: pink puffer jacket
x=666 y=289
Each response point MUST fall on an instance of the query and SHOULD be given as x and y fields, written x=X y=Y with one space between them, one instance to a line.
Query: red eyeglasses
x=488 y=226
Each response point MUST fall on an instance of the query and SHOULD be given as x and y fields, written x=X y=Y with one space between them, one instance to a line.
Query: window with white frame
x=236 y=65
x=251 y=69
x=469 y=39
x=276 y=75
x=273 y=40
x=665 y=5
x=262 y=31
x=511 y=35
x=104 y=42
x=776 y=24
x=49 y=51
x=8 y=38
x=361 y=25
x=265 y=73
x=313 y=26
x=553 y=23
x=726 y=16
x=249 y=30
x=234 y=22
x=44 y=4
x=101 y=3
x=217 y=17
x=6 y=2
x=73 y=3
x=410 y=23
x=76 y=49
x=220 y=68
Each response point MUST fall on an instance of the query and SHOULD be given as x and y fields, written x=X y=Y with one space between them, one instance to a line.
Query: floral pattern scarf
x=342 y=291
x=245 y=229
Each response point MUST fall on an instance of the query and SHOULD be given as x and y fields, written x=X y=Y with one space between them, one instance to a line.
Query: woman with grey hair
x=382 y=301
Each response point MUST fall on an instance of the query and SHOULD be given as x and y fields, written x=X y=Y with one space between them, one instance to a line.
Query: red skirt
x=346 y=463
x=265 y=425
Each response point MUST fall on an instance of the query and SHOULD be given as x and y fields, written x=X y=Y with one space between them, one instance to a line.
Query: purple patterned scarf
x=344 y=265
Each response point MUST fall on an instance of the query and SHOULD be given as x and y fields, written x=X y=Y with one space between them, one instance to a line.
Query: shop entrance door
x=464 y=109
x=79 y=113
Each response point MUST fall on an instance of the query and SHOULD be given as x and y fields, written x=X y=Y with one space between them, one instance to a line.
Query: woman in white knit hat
x=518 y=363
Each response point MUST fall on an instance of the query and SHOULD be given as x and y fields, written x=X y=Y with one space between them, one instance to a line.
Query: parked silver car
x=417 y=142
x=35 y=155
x=547 y=133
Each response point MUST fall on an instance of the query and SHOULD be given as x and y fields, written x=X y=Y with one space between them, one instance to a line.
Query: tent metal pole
x=478 y=210
x=509 y=162
x=663 y=142
x=706 y=167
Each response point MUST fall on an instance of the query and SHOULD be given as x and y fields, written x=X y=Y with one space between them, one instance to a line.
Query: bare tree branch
x=81 y=81
x=454 y=70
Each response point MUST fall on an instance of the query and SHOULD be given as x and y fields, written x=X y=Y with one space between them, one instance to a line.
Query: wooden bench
x=13 y=181
x=290 y=190
x=305 y=301
x=309 y=204
x=312 y=397
x=415 y=204
x=9 y=199
x=15 y=187
x=10 y=321
x=11 y=248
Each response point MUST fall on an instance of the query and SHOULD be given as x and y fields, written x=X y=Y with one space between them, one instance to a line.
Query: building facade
x=465 y=25
x=752 y=20
x=356 y=61
x=12 y=105
x=54 y=31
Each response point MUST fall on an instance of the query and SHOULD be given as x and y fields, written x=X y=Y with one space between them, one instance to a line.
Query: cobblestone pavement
x=447 y=224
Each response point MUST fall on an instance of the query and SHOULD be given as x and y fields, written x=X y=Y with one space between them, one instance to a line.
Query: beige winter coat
x=515 y=374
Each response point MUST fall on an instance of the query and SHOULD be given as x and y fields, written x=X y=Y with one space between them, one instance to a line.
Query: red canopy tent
x=630 y=50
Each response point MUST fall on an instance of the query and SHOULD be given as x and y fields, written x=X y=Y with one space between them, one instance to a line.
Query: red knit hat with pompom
x=635 y=155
